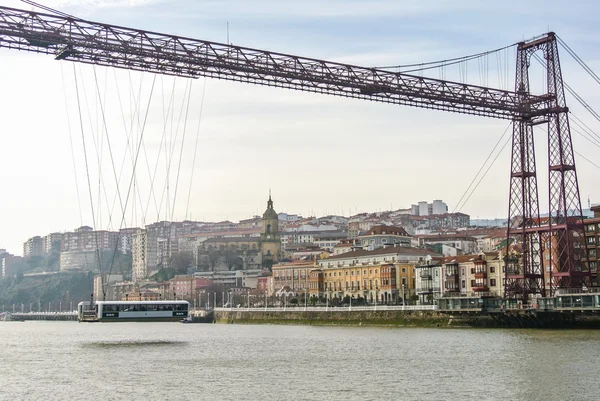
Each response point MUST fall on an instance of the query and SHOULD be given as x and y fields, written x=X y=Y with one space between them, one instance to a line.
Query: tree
x=231 y=259
x=268 y=263
x=181 y=261
x=213 y=258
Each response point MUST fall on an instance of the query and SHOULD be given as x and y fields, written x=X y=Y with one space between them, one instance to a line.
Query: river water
x=173 y=361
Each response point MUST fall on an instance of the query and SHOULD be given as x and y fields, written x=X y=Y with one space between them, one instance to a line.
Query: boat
x=139 y=311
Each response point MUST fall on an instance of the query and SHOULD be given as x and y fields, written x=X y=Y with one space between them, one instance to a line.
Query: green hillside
x=48 y=289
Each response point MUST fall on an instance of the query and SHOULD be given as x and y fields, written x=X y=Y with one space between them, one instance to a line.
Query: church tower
x=270 y=240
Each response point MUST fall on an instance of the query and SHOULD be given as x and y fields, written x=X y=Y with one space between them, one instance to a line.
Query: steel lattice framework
x=90 y=42
x=560 y=235
x=73 y=39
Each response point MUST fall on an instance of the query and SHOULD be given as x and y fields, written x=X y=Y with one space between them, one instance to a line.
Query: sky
x=317 y=154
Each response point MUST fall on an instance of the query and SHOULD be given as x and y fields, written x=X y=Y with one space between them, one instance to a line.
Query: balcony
x=480 y=275
x=425 y=275
x=480 y=288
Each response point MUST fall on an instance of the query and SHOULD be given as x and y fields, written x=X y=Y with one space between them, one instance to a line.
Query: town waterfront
x=131 y=361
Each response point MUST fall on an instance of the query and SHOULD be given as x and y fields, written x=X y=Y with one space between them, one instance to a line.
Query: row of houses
x=392 y=275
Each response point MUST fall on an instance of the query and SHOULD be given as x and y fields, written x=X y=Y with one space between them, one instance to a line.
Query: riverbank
x=352 y=318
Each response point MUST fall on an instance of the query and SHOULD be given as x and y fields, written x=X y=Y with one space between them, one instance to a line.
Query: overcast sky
x=319 y=154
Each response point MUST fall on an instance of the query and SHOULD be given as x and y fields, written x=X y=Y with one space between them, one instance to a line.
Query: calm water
x=173 y=361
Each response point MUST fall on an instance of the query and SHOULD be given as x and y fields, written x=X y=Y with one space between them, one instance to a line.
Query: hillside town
x=407 y=256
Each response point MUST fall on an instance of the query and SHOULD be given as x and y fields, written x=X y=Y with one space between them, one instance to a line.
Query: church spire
x=270 y=201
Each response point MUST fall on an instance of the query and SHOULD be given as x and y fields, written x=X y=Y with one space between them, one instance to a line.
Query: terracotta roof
x=299 y=263
x=232 y=239
x=225 y=233
x=441 y=237
x=396 y=250
x=460 y=258
x=382 y=229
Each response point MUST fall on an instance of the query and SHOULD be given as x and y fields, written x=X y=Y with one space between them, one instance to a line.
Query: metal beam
x=74 y=39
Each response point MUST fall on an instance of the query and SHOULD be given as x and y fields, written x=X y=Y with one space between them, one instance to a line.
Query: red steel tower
x=559 y=236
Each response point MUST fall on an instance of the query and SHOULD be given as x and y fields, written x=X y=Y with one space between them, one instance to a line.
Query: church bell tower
x=270 y=240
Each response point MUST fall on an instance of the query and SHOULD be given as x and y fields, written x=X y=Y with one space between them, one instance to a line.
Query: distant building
x=288 y=218
x=427 y=209
x=126 y=240
x=33 y=247
x=295 y=275
x=235 y=278
x=86 y=239
x=382 y=235
x=79 y=261
x=138 y=255
x=10 y=265
x=423 y=208
x=52 y=242
x=105 y=281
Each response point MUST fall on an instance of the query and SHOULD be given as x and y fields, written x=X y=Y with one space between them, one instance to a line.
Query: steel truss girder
x=114 y=46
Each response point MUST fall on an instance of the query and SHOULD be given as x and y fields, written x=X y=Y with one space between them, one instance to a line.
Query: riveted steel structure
x=559 y=236
x=74 y=39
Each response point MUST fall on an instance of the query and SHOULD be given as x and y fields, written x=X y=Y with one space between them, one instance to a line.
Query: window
x=472 y=283
x=492 y=269
x=404 y=270
x=463 y=272
x=492 y=282
x=463 y=284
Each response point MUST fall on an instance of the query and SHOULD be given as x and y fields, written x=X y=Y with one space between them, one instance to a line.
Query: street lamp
x=403 y=300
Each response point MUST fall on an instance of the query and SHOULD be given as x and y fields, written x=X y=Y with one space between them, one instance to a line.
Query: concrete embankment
x=350 y=318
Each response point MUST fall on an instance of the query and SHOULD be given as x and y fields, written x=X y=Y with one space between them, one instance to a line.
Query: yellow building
x=406 y=280
x=353 y=281
x=294 y=275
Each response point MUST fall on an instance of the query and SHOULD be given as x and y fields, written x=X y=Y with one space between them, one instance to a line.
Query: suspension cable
x=87 y=170
x=187 y=206
x=443 y=63
x=181 y=149
x=485 y=173
x=586 y=159
x=573 y=93
x=458 y=204
x=579 y=60
x=105 y=288
x=71 y=143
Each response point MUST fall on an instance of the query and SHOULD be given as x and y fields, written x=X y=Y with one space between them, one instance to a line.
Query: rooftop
x=392 y=250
